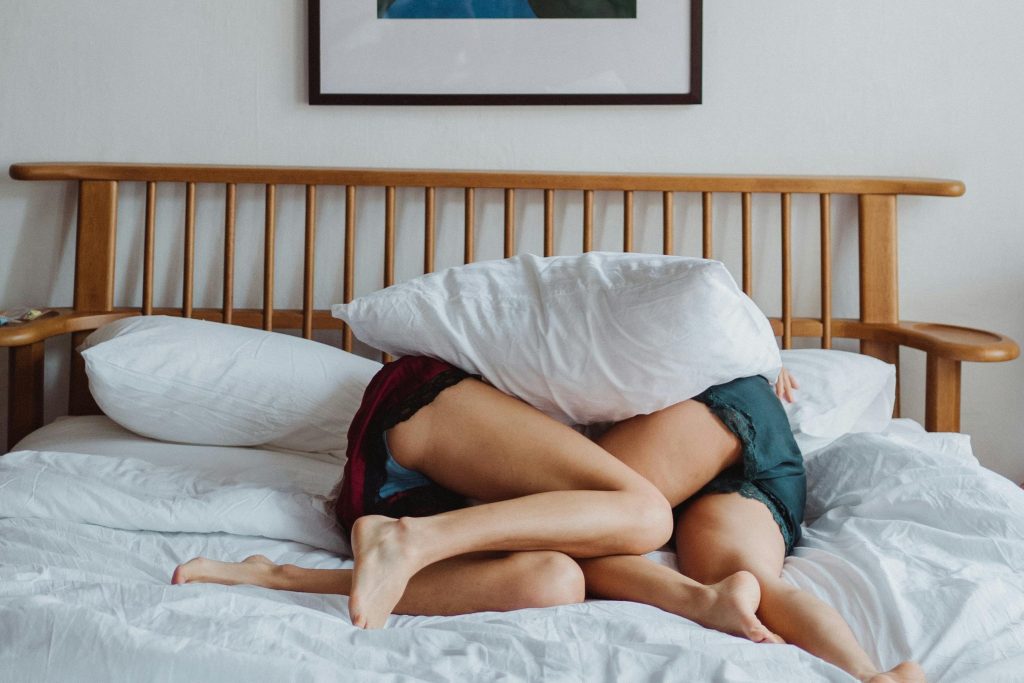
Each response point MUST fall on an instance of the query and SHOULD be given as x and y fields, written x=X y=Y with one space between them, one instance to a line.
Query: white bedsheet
x=99 y=435
x=917 y=546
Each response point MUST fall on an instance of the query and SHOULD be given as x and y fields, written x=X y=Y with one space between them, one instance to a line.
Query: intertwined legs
x=680 y=449
x=725 y=542
x=549 y=492
x=546 y=487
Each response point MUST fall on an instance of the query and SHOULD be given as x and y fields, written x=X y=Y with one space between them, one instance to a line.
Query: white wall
x=920 y=87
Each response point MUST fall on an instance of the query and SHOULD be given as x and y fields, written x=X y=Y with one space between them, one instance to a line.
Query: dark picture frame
x=322 y=70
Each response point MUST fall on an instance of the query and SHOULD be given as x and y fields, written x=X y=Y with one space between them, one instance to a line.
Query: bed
x=919 y=547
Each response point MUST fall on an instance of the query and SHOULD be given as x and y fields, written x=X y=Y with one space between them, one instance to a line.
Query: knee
x=546 y=579
x=650 y=522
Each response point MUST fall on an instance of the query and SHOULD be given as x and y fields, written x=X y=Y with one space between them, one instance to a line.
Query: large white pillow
x=200 y=382
x=840 y=393
x=592 y=338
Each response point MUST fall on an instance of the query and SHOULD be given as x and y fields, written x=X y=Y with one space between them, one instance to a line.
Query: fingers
x=785 y=385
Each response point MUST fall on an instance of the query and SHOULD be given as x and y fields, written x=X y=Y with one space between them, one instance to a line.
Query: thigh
x=487 y=445
x=722 y=533
x=493 y=582
x=678 y=449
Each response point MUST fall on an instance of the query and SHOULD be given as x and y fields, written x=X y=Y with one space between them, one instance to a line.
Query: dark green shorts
x=771 y=469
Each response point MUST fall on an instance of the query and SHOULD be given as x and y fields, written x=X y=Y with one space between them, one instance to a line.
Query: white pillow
x=840 y=392
x=592 y=338
x=200 y=382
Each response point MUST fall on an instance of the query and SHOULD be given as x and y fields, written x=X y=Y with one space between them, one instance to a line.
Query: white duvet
x=917 y=546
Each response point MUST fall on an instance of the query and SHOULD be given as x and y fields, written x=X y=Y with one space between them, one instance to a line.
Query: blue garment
x=398 y=478
x=772 y=468
x=460 y=9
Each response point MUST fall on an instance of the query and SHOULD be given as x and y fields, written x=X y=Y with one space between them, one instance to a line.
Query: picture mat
x=363 y=54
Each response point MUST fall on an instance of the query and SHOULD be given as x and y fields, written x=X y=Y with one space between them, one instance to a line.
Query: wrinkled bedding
x=920 y=549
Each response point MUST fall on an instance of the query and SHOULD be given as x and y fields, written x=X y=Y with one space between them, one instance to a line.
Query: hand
x=785 y=385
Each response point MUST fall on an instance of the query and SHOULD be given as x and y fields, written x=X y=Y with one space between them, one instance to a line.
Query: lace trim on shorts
x=423 y=395
x=749 y=489
x=395 y=394
x=741 y=424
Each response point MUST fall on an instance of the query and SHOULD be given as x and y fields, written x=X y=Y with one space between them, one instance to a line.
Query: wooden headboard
x=878 y=326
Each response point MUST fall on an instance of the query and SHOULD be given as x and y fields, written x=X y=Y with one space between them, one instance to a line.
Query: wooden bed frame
x=879 y=328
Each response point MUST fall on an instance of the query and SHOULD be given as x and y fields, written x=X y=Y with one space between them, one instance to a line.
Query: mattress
x=916 y=545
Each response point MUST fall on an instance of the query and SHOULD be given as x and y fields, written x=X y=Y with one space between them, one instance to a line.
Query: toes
x=178 y=577
x=378 y=621
x=758 y=635
x=188 y=571
x=364 y=621
x=761 y=634
x=367 y=622
x=754 y=630
x=356 y=615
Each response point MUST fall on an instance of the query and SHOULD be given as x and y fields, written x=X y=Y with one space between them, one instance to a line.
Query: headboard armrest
x=26 y=344
x=947 y=346
x=946 y=341
x=65 y=322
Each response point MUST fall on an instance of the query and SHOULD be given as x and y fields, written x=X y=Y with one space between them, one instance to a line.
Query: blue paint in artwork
x=460 y=9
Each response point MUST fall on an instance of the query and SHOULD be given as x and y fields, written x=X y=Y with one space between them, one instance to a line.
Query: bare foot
x=907 y=672
x=384 y=562
x=733 y=606
x=203 y=570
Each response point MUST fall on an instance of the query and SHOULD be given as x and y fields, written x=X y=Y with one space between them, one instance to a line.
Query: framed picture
x=504 y=52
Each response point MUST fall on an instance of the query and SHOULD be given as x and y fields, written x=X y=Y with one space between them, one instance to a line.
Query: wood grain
x=379 y=177
x=878 y=326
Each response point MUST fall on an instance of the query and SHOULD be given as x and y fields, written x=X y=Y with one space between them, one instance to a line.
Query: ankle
x=415 y=537
x=702 y=598
x=276 y=576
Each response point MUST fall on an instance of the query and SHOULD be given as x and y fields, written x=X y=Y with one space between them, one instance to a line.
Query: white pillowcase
x=593 y=338
x=840 y=393
x=200 y=382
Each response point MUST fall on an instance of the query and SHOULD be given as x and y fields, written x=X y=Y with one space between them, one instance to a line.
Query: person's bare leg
x=470 y=583
x=554 y=490
x=679 y=449
x=728 y=605
x=720 y=534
